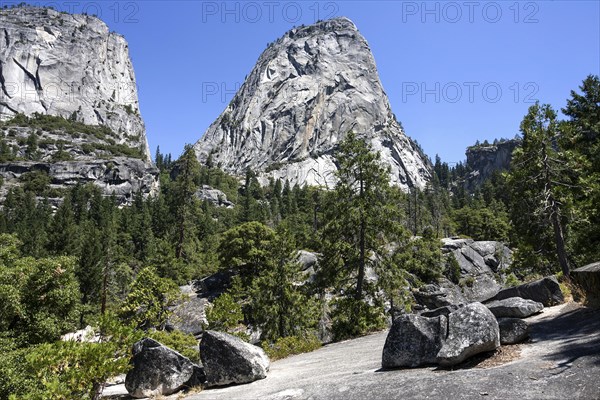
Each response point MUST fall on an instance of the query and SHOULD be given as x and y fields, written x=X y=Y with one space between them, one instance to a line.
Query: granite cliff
x=307 y=90
x=68 y=94
x=484 y=160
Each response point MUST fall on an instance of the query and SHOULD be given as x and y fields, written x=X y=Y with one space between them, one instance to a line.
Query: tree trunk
x=560 y=242
x=361 y=264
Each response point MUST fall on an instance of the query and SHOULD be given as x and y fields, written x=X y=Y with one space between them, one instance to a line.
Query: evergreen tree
x=359 y=217
x=537 y=176
x=280 y=305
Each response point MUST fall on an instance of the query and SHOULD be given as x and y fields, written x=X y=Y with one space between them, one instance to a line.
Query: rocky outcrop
x=214 y=197
x=546 y=291
x=307 y=90
x=588 y=279
x=189 y=316
x=70 y=66
x=69 y=105
x=414 y=340
x=443 y=293
x=513 y=330
x=159 y=370
x=481 y=263
x=119 y=176
x=472 y=329
x=229 y=360
x=448 y=338
x=484 y=160
x=514 y=307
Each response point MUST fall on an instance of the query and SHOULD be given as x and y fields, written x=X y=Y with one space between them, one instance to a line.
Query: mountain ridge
x=307 y=90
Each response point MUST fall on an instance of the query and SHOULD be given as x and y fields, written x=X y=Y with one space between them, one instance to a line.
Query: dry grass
x=502 y=355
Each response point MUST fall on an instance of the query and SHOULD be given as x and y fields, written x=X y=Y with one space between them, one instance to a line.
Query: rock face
x=546 y=291
x=158 y=370
x=513 y=330
x=120 y=176
x=479 y=262
x=514 y=307
x=414 y=340
x=483 y=161
x=189 y=316
x=228 y=359
x=307 y=90
x=67 y=84
x=71 y=66
x=213 y=196
x=472 y=329
x=588 y=278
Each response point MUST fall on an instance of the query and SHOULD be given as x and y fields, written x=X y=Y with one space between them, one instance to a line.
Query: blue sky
x=455 y=72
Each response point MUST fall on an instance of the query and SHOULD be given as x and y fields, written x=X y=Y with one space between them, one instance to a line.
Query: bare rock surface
x=158 y=370
x=562 y=361
x=513 y=330
x=546 y=291
x=514 y=307
x=472 y=329
x=70 y=66
x=308 y=89
x=414 y=340
x=229 y=360
x=588 y=278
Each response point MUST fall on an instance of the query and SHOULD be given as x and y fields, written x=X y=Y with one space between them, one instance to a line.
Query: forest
x=91 y=261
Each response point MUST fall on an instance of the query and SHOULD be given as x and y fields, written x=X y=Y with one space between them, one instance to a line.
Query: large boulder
x=446 y=310
x=514 y=307
x=472 y=329
x=159 y=370
x=479 y=288
x=513 y=330
x=588 y=278
x=546 y=291
x=228 y=359
x=440 y=294
x=414 y=340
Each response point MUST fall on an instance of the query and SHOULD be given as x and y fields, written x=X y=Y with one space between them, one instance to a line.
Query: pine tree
x=360 y=219
x=184 y=189
x=537 y=179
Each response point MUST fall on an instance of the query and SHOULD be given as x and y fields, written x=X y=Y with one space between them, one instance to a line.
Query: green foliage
x=451 y=268
x=361 y=217
x=67 y=370
x=539 y=170
x=148 y=302
x=225 y=314
x=290 y=345
x=39 y=297
x=246 y=247
x=280 y=305
x=421 y=257
x=353 y=318
x=184 y=343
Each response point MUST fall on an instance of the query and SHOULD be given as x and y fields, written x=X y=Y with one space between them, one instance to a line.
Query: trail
x=561 y=361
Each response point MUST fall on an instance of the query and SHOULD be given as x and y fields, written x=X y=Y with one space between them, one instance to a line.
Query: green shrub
x=452 y=269
x=287 y=346
x=225 y=314
x=353 y=318
x=184 y=343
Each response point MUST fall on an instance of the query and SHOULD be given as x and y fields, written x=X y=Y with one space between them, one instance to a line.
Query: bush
x=184 y=343
x=226 y=315
x=287 y=346
x=452 y=269
x=353 y=318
